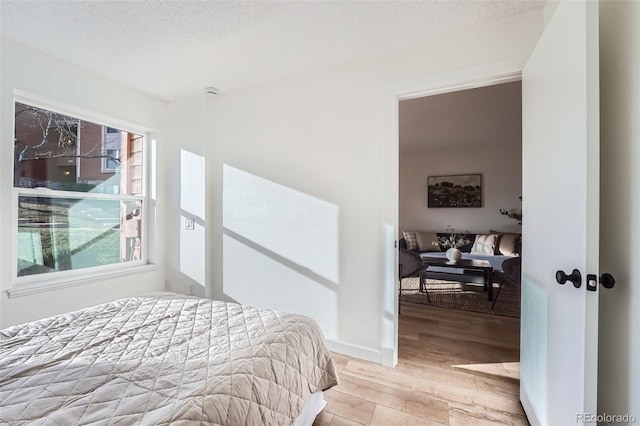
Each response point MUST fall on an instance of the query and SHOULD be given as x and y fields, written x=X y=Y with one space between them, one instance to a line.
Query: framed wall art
x=454 y=191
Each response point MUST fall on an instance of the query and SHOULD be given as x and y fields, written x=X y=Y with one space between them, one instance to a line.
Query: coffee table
x=471 y=265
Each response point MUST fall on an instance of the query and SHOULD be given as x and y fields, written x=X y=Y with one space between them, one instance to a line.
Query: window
x=79 y=193
x=111 y=159
x=111 y=144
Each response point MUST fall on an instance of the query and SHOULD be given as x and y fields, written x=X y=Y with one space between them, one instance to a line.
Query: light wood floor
x=455 y=368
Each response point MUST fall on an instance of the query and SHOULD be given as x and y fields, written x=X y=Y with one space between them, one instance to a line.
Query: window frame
x=29 y=284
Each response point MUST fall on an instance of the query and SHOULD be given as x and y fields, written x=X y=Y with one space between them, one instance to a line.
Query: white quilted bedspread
x=162 y=359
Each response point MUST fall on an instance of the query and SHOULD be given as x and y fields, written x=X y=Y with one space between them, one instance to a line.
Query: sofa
x=494 y=247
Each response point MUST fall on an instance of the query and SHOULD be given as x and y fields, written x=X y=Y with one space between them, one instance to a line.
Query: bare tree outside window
x=48 y=147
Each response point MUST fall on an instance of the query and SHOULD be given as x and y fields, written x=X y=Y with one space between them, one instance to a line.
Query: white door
x=560 y=226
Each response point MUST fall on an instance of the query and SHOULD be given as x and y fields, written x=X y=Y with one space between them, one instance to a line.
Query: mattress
x=163 y=359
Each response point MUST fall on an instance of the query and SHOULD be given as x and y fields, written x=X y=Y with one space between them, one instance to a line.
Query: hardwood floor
x=455 y=368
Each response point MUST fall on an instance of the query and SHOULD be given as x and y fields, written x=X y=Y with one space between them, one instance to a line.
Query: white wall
x=185 y=180
x=318 y=139
x=501 y=169
x=619 y=354
x=31 y=71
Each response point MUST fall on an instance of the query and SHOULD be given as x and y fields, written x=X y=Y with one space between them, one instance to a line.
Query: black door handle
x=606 y=280
x=575 y=277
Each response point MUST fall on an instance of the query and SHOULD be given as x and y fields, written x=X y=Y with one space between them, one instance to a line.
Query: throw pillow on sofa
x=427 y=241
x=411 y=240
x=507 y=243
x=485 y=244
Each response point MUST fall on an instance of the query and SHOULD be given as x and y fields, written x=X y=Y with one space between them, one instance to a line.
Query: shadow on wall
x=280 y=248
x=192 y=221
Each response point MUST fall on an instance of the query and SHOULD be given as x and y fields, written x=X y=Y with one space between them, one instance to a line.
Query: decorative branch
x=453 y=240
x=513 y=213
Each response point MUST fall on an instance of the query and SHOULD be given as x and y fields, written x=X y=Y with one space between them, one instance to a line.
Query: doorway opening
x=447 y=136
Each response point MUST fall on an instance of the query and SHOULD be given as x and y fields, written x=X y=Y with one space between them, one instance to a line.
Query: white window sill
x=26 y=289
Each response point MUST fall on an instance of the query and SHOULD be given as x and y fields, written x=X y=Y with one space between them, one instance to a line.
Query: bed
x=164 y=359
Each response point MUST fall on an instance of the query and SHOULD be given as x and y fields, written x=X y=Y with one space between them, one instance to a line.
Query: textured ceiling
x=175 y=48
x=486 y=116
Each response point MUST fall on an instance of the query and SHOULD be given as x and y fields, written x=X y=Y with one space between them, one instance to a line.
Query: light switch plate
x=189 y=224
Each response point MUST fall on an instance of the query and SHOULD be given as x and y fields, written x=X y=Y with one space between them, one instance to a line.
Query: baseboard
x=528 y=408
x=389 y=357
x=355 y=351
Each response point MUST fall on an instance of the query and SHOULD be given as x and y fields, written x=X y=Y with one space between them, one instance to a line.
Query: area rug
x=463 y=296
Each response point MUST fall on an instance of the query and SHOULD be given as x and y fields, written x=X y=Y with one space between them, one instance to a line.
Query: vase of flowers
x=453 y=241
